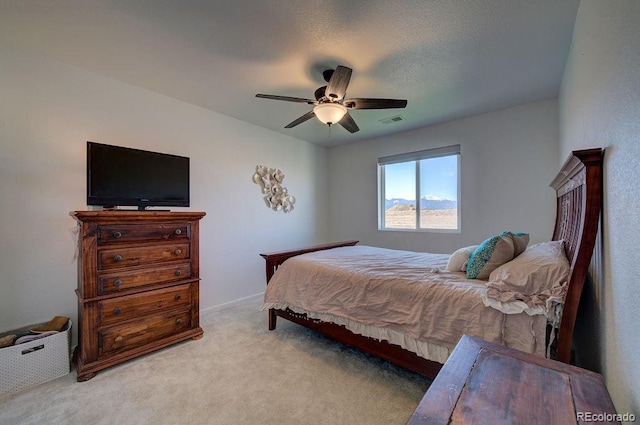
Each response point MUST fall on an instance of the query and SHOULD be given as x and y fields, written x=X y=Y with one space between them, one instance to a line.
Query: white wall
x=600 y=106
x=508 y=159
x=49 y=110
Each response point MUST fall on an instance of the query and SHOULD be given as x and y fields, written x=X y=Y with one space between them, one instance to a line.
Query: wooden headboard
x=578 y=188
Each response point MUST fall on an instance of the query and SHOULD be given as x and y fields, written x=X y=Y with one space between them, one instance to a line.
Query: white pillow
x=533 y=281
x=459 y=259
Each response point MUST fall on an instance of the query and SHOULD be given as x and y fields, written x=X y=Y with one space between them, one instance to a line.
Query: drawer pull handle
x=117 y=282
x=178 y=321
x=118 y=339
x=178 y=251
x=178 y=273
x=178 y=231
x=117 y=311
x=117 y=235
x=178 y=298
x=117 y=258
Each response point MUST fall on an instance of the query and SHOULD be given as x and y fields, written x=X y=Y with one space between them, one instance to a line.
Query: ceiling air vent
x=391 y=120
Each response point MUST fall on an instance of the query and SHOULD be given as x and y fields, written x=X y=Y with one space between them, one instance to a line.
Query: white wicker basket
x=25 y=365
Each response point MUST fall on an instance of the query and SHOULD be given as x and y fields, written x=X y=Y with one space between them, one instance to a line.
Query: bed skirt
x=427 y=350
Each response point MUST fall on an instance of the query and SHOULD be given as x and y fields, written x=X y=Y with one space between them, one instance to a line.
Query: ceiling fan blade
x=348 y=123
x=338 y=83
x=287 y=98
x=300 y=120
x=363 y=103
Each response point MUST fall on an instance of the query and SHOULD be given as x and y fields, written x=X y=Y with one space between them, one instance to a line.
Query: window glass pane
x=439 y=193
x=400 y=195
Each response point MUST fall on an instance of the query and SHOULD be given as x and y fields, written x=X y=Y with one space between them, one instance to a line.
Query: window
x=420 y=190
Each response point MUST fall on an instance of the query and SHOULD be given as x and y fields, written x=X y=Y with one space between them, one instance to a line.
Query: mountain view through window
x=421 y=194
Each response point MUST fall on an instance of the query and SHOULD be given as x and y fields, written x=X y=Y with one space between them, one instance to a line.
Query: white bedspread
x=406 y=298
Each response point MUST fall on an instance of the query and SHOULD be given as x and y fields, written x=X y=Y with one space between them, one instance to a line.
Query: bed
x=333 y=288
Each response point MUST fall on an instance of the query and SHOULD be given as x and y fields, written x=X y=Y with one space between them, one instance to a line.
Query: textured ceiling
x=448 y=58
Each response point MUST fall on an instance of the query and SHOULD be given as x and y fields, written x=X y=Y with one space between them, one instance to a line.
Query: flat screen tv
x=119 y=176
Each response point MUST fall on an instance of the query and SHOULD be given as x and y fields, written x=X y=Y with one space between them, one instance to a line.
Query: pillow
x=532 y=282
x=490 y=254
x=520 y=242
x=459 y=259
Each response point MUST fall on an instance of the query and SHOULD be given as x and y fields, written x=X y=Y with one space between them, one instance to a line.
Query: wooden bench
x=486 y=383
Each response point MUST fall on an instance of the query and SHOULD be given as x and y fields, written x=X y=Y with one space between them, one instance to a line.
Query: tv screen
x=119 y=176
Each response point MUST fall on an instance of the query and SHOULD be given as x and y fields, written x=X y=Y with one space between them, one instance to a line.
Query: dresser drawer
x=121 y=309
x=142 y=332
x=124 y=257
x=116 y=233
x=124 y=280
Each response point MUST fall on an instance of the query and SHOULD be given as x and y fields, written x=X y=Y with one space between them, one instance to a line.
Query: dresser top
x=133 y=215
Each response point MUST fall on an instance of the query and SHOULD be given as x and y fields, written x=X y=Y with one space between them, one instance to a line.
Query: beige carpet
x=239 y=373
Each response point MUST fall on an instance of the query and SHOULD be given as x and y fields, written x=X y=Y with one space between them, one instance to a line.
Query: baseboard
x=229 y=303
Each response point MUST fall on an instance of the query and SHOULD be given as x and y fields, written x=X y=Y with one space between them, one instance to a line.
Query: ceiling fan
x=330 y=105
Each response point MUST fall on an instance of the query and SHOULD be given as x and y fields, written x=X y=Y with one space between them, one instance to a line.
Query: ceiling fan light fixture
x=330 y=113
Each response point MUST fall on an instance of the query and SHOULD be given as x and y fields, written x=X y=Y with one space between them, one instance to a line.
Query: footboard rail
x=275 y=259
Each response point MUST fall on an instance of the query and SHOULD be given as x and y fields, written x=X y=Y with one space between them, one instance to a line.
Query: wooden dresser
x=138 y=285
x=485 y=383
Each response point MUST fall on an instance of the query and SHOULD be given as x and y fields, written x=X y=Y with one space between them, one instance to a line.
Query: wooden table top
x=486 y=383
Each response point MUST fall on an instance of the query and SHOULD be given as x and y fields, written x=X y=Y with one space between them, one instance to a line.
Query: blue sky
x=438 y=179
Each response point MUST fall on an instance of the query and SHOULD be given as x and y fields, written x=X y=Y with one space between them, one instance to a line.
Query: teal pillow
x=520 y=242
x=489 y=255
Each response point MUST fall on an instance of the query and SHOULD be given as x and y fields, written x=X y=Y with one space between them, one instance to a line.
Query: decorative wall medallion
x=276 y=196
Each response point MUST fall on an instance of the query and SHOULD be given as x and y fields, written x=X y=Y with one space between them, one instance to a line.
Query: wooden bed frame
x=578 y=188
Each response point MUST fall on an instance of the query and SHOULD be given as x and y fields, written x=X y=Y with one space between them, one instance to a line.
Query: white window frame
x=417 y=157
